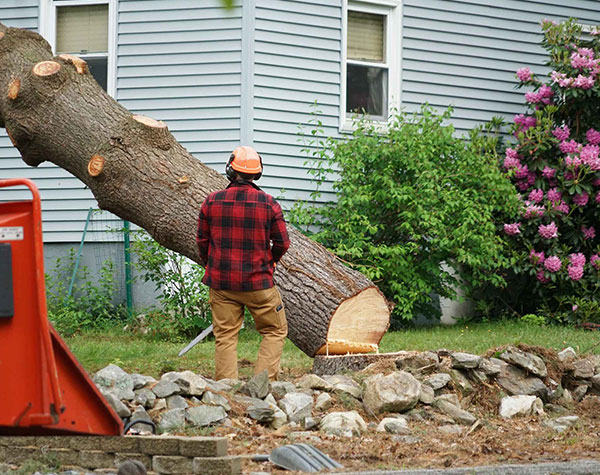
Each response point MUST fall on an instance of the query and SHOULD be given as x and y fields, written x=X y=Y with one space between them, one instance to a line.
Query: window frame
x=48 y=31
x=392 y=10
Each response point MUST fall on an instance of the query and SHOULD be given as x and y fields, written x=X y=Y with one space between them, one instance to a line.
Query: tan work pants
x=267 y=310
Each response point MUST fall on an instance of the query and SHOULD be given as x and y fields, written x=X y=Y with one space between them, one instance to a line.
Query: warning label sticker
x=14 y=233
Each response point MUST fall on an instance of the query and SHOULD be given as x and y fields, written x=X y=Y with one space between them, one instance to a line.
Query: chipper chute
x=44 y=390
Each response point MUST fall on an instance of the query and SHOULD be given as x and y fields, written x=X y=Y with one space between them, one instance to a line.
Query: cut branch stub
x=80 y=64
x=13 y=89
x=96 y=165
x=156 y=131
x=46 y=68
x=1 y=35
x=150 y=122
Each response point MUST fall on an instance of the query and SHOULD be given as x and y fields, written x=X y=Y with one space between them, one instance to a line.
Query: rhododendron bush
x=555 y=166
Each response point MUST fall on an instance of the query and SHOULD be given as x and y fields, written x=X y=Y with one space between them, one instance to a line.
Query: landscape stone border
x=160 y=454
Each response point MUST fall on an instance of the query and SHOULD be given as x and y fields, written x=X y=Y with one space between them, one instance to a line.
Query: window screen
x=366 y=37
x=82 y=29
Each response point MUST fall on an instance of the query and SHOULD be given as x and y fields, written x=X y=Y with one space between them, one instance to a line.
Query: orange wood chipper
x=43 y=388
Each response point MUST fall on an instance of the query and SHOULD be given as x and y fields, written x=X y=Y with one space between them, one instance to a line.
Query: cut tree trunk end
x=137 y=170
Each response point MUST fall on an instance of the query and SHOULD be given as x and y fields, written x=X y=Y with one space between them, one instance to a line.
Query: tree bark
x=53 y=110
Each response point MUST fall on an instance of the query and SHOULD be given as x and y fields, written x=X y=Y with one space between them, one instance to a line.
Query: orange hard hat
x=246 y=160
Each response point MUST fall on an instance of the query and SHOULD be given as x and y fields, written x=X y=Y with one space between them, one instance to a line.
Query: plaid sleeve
x=279 y=235
x=203 y=234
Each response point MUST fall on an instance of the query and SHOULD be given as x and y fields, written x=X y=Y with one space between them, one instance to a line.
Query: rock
x=257 y=386
x=451 y=429
x=213 y=399
x=437 y=380
x=224 y=385
x=352 y=388
x=323 y=402
x=555 y=409
x=450 y=397
x=584 y=369
x=345 y=424
x=405 y=439
x=261 y=411
x=173 y=419
x=427 y=395
x=310 y=423
x=304 y=436
x=296 y=406
x=176 y=402
x=566 y=399
x=516 y=381
x=522 y=405
x=115 y=379
x=580 y=391
x=461 y=381
x=567 y=355
x=465 y=360
x=478 y=376
x=596 y=382
x=561 y=424
x=456 y=413
x=529 y=362
x=201 y=416
x=145 y=397
x=491 y=366
x=417 y=361
x=142 y=416
x=396 y=392
x=279 y=418
x=312 y=381
x=189 y=383
x=165 y=388
x=281 y=388
x=140 y=381
x=121 y=409
x=159 y=405
x=394 y=425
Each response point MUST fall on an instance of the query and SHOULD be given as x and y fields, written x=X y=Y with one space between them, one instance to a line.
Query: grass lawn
x=139 y=354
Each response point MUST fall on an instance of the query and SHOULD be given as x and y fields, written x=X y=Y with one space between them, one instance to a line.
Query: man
x=236 y=227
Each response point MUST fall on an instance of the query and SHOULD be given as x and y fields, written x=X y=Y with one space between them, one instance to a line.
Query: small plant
x=183 y=298
x=534 y=319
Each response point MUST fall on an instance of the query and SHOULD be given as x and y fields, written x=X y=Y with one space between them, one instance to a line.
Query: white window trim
x=48 y=31
x=393 y=10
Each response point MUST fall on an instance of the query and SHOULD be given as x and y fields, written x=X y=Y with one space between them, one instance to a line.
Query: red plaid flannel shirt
x=235 y=229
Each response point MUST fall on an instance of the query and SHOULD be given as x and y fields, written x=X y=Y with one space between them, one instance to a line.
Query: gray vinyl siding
x=465 y=53
x=297 y=61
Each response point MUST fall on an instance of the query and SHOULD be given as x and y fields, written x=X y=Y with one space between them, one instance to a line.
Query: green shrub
x=183 y=298
x=408 y=199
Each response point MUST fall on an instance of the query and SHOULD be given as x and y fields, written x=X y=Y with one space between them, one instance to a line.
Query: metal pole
x=87 y=222
x=128 y=286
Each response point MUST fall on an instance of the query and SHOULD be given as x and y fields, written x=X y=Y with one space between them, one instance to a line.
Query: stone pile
x=420 y=385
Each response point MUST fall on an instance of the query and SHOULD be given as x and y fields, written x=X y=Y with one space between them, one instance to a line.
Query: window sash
x=366 y=33
x=82 y=29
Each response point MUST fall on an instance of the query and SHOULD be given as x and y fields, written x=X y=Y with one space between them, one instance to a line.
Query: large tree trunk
x=53 y=110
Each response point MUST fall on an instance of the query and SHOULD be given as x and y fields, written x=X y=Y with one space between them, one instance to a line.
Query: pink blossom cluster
x=569 y=147
x=533 y=211
x=581 y=81
x=525 y=122
x=554 y=195
x=536 y=196
x=595 y=261
x=548 y=231
x=553 y=264
x=562 y=133
x=524 y=74
x=512 y=229
x=575 y=268
x=536 y=257
x=583 y=58
x=548 y=172
x=588 y=233
x=542 y=96
x=590 y=156
x=581 y=199
x=593 y=136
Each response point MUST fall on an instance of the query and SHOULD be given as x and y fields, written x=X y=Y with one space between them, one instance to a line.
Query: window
x=83 y=28
x=371 y=80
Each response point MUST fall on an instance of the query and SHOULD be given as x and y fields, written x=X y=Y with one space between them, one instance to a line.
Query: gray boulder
x=437 y=381
x=516 y=381
x=394 y=425
x=145 y=397
x=177 y=402
x=520 y=406
x=141 y=381
x=257 y=386
x=121 y=409
x=561 y=424
x=139 y=418
x=528 y=361
x=567 y=355
x=281 y=388
x=465 y=360
x=201 y=416
x=323 y=402
x=414 y=361
x=346 y=424
x=173 y=419
x=461 y=381
x=491 y=366
x=312 y=381
x=189 y=383
x=165 y=388
x=213 y=399
x=116 y=380
x=596 y=382
x=427 y=395
x=344 y=385
x=396 y=392
x=584 y=369
x=296 y=406
x=457 y=414
x=261 y=411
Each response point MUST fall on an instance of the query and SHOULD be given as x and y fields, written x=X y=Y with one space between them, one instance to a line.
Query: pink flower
x=533 y=97
x=568 y=175
x=554 y=194
x=536 y=257
x=522 y=185
x=512 y=153
x=561 y=133
x=522 y=171
x=588 y=233
x=546 y=92
x=581 y=199
x=569 y=147
x=595 y=261
x=597 y=198
x=593 y=136
x=510 y=162
x=536 y=195
x=597 y=182
x=529 y=121
x=577 y=259
x=519 y=119
x=548 y=231
x=548 y=172
x=546 y=22
x=512 y=229
x=572 y=161
x=589 y=154
x=524 y=74
x=574 y=308
x=584 y=82
x=553 y=264
x=533 y=211
x=541 y=277
x=562 y=207
x=575 y=272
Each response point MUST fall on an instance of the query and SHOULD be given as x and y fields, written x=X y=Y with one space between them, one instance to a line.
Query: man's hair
x=246 y=176
x=132 y=467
